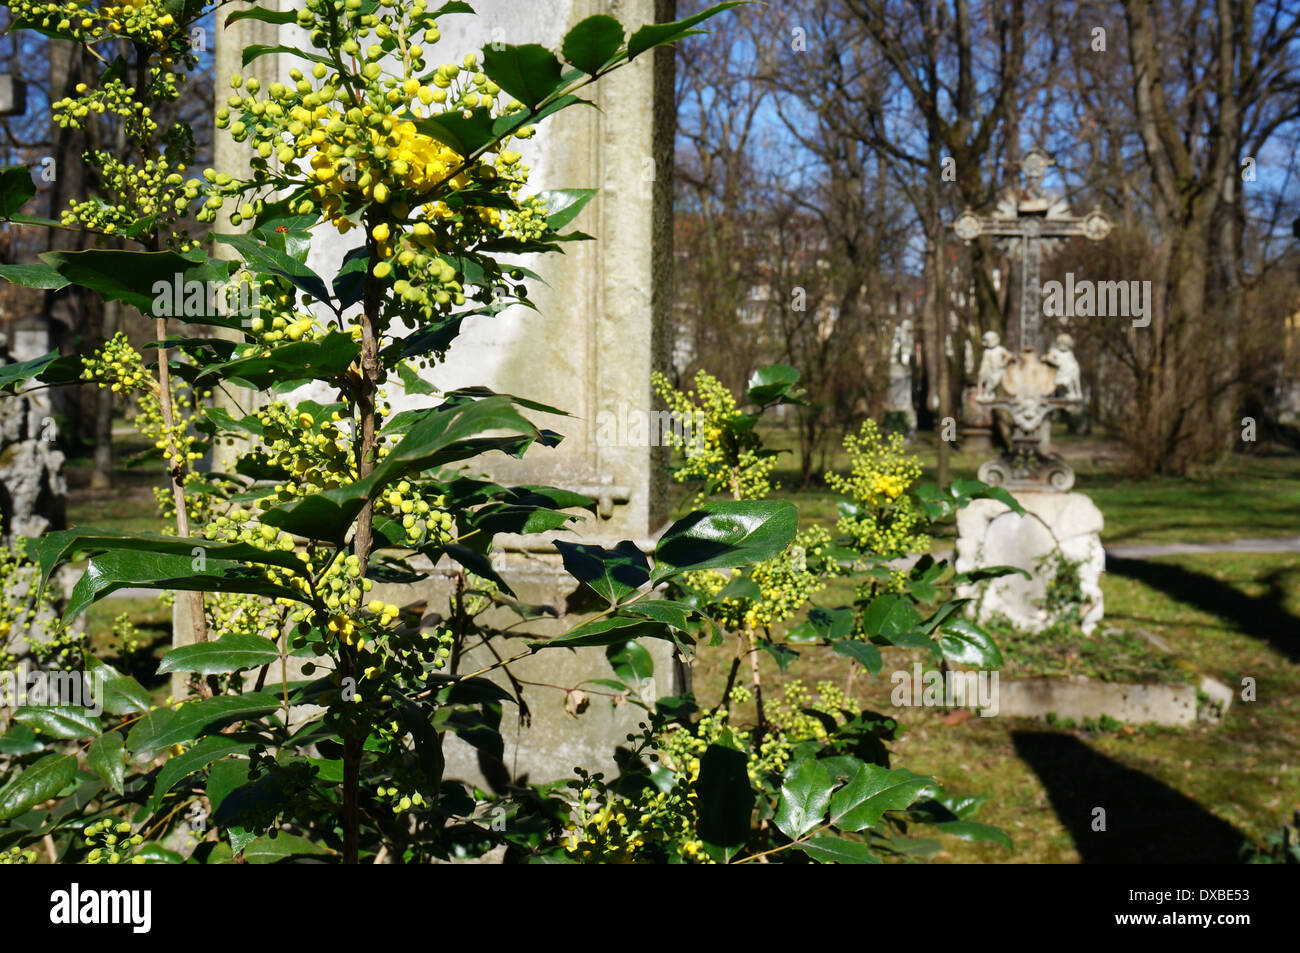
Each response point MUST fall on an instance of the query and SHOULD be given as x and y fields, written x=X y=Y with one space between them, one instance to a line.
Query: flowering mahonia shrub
x=309 y=714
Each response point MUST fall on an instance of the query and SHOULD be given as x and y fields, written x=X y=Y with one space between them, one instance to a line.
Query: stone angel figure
x=1061 y=356
x=993 y=366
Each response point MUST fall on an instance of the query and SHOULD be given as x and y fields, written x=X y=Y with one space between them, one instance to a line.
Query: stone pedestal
x=990 y=534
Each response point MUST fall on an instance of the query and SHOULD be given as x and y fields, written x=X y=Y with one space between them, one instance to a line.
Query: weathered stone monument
x=1060 y=531
x=32 y=485
x=900 y=374
x=600 y=329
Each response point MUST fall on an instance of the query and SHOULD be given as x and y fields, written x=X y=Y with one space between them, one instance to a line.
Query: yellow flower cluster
x=146 y=22
x=790 y=713
x=724 y=457
x=112 y=843
x=884 y=522
x=120 y=367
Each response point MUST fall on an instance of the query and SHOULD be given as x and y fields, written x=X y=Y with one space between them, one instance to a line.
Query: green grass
x=1249 y=495
x=1175 y=795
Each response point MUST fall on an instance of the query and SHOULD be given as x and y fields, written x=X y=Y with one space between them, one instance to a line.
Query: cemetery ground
x=1171 y=795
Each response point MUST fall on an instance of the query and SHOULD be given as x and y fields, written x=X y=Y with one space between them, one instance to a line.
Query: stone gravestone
x=1061 y=530
x=32 y=486
x=900 y=374
x=601 y=327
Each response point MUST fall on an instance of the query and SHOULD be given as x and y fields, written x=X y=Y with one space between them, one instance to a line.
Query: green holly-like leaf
x=42 y=781
x=530 y=73
x=105 y=757
x=725 y=534
x=613 y=574
x=196 y=758
x=59 y=721
x=658 y=34
x=165 y=727
x=725 y=799
x=965 y=643
x=826 y=849
x=593 y=43
x=230 y=653
x=873 y=791
x=804 y=798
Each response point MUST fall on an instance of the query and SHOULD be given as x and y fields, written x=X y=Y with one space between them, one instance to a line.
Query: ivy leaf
x=593 y=43
x=230 y=653
x=965 y=643
x=613 y=574
x=724 y=534
x=105 y=758
x=873 y=791
x=804 y=798
x=826 y=849
x=42 y=781
x=530 y=73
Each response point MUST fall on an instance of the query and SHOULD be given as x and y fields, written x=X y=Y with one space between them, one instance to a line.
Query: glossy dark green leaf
x=230 y=653
x=265 y=15
x=530 y=73
x=563 y=205
x=975 y=831
x=261 y=257
x=613 y=574
x=631 y=662
x=272 y=850
x=965 y=643
x=864 y=653
x=256 y=51
x=33 y=276
x=771 y=382
x=132 y=276
x=725 y=799
x=724 y=534
x=20 y=740
x=657 y=34
x=42 y=781
x=805 y=795
x=59 y=721
x=165 y=727
x=827 y=849
x=607 y=631
x=16 y=189
x=466 y=135
x=873 y=791
x=195 y=758
x=109 y=572
x=667 y=611
x=105 y=757
x=593 y=43
x=325 y=359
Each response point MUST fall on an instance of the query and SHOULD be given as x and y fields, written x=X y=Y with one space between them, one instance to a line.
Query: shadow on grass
x=1146 y=821
x=1260 y=617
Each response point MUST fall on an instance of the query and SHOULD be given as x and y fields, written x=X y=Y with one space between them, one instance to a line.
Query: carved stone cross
x=1031 y=226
